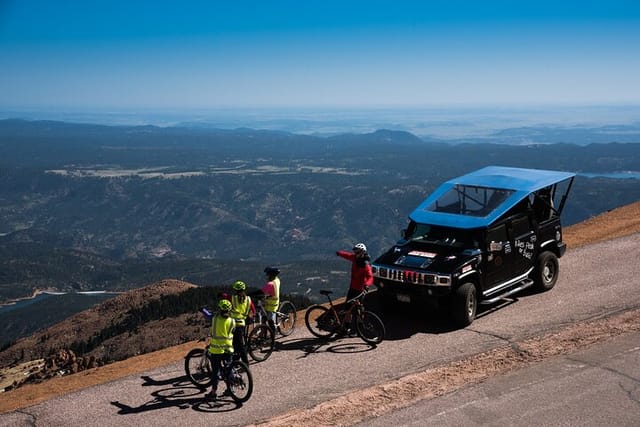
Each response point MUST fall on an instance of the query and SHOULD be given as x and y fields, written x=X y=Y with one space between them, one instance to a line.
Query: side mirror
x=495 y=246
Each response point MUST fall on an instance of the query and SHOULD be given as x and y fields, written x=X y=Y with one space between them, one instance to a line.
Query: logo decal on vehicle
x=423 y=254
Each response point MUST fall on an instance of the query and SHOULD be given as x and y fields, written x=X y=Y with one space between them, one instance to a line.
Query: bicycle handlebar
x=206 y=314
x=359 y=296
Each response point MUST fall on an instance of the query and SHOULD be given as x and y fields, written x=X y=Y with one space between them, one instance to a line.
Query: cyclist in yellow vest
x=272 y=293
x=220 y=343
x=241 y=309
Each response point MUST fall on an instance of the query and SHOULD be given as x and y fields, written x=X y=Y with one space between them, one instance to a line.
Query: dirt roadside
x=616 y=223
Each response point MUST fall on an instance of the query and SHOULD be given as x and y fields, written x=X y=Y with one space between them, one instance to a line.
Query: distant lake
x=96 y=296
x=615 y=175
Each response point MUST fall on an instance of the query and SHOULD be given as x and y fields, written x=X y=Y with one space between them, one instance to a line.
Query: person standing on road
x=272 y=293
x=220 y=343
x=241 y=310
x=361 y=272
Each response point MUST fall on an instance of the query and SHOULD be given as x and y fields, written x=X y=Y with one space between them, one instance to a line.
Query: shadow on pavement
x=181 y=395
x=402 y=321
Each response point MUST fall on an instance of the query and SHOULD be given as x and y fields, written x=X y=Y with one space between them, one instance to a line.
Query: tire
x=464 y=305
x=197 y=366
x=546 y=271
x=370 y=328
x=239 y=381
x=321 y=321
x=260 y=343
x=286 y=318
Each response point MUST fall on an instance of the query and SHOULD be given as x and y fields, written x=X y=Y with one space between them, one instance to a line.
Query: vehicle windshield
x=470 y=200
x=446 y=236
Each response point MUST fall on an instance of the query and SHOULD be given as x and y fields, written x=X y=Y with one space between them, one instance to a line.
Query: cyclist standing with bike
x=220 y=343
x=241 y=309
x=272 y=295
x=361 y=273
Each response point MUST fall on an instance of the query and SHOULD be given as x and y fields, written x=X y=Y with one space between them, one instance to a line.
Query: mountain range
x=94 y=207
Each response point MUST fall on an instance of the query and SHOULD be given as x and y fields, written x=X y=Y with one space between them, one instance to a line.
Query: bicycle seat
x=326 y=293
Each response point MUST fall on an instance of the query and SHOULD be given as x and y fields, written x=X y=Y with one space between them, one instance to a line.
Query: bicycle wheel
x=321 y=321
x=370 y=328
x=286 y=318
x=197 y=366
x=239 y=381
x=260 y=343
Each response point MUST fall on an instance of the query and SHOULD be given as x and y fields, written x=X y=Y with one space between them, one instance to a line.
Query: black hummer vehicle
x=479 y=238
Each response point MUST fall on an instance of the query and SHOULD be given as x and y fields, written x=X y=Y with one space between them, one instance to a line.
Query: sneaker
x=211 y=395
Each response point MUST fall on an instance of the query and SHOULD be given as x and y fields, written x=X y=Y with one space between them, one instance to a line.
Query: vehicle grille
x=406 y=276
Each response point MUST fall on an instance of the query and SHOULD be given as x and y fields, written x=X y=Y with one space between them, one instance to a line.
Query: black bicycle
x=235 y=374
x=326 y=322
x=259 y=341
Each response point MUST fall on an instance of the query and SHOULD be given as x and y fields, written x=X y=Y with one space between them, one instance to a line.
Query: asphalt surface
x=595 y=280
x=596 y=387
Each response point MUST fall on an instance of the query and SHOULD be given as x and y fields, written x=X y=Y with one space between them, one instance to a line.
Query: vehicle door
x=499 y=256
x=524 y=242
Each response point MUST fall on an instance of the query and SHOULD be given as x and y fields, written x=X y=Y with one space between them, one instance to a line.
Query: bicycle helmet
x=360 y=247
x=239 y=285
x=224 y=305
x=272 y=271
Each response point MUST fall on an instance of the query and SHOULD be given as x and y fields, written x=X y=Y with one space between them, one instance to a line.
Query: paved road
x=596 y=387
x=595 y=280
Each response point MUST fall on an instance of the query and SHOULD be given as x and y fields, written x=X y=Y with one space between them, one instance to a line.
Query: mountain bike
x=235 y=374
x=326 y=322
x=285 y=316
x=258 y=338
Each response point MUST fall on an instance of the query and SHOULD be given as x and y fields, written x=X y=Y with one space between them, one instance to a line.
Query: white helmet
x=360 y=247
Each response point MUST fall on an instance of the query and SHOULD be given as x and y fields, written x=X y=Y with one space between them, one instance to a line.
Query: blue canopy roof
x=517 y=182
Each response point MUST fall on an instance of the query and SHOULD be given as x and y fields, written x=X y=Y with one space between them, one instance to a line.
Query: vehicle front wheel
x=464 y=305
x=546 y=271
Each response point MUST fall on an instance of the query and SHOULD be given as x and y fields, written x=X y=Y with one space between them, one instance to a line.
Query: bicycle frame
x=354 y=303
x=325 y=322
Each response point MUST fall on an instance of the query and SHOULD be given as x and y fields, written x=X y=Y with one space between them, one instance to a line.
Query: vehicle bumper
x=411 y=293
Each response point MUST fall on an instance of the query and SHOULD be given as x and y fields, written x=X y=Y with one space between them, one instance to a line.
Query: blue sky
x=213 y=54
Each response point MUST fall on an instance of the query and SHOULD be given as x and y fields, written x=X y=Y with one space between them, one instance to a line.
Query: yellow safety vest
x=240 y=310
x=221 y=335
x=271 y=303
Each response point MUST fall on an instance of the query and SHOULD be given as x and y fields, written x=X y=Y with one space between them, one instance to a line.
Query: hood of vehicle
x=432 y=259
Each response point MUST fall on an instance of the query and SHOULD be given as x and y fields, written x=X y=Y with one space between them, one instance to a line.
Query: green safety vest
x=271 y=303
x=240 y=310
x=221 y=340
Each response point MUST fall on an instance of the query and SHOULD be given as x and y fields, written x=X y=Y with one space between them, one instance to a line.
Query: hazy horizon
x=441 y=122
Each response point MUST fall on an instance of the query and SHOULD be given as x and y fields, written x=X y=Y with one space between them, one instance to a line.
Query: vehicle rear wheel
x=464 y=305
x=546 y=271
x=321 y=321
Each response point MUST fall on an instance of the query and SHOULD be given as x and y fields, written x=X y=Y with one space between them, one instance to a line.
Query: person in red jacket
x=361 y=273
